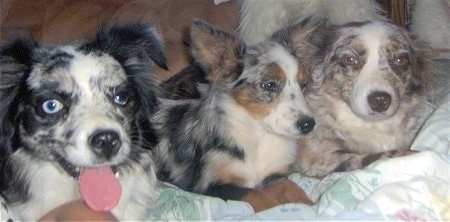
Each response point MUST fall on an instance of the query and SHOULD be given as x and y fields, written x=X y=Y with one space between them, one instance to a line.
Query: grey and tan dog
x=368 y=92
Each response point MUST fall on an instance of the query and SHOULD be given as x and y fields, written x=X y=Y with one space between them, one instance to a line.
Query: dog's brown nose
x=105 y=143
x=379 y=101
x=306 y=124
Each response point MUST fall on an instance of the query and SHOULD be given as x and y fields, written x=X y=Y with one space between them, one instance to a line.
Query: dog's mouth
x=99 y=186
x=74 y=171
x=70 y=169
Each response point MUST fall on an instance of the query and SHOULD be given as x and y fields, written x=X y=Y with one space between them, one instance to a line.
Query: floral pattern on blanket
x=410 y=188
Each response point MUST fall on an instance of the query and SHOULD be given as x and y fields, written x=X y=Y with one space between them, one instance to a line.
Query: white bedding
x=415 y=187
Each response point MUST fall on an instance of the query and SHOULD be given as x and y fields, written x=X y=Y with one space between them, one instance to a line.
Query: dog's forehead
x=66 y=67
x=374 y=36
x=266 y=57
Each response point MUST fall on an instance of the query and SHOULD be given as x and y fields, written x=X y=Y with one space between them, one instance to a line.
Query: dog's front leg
x=273 y=194
x=360 y=160
x=321 y=157
x=276 y=193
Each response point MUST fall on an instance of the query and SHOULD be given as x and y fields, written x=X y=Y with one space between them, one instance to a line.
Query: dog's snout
x=379 y=101
x=306 y=124
x=105 y=143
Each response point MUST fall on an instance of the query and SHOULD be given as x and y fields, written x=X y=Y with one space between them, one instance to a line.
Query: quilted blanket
x=410 y=188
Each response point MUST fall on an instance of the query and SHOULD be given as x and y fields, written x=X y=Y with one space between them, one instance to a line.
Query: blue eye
x=121 y=99
x=52 y=106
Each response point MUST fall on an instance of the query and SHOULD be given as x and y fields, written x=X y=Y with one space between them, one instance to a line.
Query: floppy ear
x=310 y=38
x=127 y=43
x=15 y=65
x=218 y=52
x=423 y=78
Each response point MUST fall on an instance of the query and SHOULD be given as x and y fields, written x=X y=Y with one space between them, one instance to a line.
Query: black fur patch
x=227 y=191
x=184 y=84
x=31 y=133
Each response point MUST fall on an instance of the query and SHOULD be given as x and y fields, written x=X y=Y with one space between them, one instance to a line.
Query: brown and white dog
x=235 y=135
x=368 y=96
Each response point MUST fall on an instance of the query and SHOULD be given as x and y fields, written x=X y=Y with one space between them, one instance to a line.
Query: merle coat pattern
x=66 y=108
x=241 y=130
x=369 y=93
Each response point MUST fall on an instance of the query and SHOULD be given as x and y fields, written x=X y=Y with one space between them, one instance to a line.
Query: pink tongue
x=100 y=188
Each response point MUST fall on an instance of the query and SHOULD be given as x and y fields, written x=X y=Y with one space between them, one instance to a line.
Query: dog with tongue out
x=100 y=188
x=73 y=123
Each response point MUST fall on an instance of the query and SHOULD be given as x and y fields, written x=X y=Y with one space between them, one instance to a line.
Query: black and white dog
x=241 y=129
x=74 y=123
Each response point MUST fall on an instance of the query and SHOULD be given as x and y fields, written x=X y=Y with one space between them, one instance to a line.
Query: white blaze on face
x=93 y=77
x=291 y=104
x=373 y=37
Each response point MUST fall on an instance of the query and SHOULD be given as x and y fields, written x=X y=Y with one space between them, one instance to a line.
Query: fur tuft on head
x=133 y=45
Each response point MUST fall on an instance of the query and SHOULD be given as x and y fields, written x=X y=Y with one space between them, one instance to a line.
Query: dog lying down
x=368 y=89
x=368 y=94
x=239 y=136
x=74 y=123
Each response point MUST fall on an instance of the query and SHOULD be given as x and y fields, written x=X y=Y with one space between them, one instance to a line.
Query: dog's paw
x=276 y=193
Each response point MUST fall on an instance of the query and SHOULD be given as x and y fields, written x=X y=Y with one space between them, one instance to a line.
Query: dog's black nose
x=105 y=143
x=379 y=101
x=306 y=124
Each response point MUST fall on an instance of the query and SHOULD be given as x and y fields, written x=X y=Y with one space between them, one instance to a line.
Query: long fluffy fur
x=258 y=19
x=54 y=99
x=369 y=96
x=239 y=132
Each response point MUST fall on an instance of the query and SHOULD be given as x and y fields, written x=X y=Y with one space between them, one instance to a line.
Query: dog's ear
x=218 y=53
x=15 y=65
x=15 y=62
x=423 y=76
x=310 y=38
x=130 y=44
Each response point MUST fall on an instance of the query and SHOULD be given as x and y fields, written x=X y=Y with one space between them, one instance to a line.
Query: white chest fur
x=49 y=187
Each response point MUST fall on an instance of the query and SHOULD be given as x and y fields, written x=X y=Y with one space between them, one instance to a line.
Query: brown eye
x=350 y=60
x=401 y=61
x=269 y=86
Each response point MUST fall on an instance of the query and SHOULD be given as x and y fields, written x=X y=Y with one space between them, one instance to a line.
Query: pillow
x=435 y=133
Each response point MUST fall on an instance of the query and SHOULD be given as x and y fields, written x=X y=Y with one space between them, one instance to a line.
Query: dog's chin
x=287 y=134
x=366 y=113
